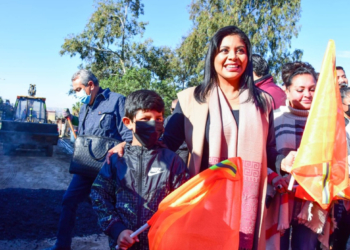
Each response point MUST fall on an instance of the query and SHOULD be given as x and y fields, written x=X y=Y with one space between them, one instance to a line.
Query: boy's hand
x=119 y=149
x=125 y=241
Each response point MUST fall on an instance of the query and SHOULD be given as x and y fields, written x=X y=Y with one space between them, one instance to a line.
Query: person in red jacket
x=263 y=80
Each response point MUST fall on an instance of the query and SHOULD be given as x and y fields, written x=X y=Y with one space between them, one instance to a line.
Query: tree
x=285 y=57
x=1 y=101
x=141 y=78
x=270 y=25
x=106 y=42
x=109 y=49
x=76 y=108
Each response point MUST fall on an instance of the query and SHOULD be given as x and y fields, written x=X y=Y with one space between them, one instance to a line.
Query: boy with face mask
x=127 y=192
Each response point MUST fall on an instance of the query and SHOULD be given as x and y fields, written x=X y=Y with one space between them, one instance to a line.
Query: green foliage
x=108 y=48
x=1 y=101
x=141 y=78
x=106 y=42
x=110 y=43
x=76 y=108
x=270 y=25
x=286 y=57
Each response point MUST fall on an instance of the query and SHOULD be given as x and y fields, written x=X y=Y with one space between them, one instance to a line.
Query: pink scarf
x=247 y=142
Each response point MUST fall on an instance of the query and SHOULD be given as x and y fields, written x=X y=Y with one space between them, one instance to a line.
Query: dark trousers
x=303 y=238
x=341 y=234
x=78 y=190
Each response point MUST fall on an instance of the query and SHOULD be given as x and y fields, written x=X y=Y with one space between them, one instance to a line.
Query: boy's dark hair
x=143 y=100
x=260 y=66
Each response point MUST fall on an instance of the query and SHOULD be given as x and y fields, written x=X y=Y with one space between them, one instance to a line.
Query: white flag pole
x=291 y=183
x=292 y=179
x=137 y=232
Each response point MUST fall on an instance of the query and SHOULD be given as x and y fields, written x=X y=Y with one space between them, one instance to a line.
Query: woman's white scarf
x=247 y=142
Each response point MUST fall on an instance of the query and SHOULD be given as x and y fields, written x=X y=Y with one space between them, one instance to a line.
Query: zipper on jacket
x=139 y=190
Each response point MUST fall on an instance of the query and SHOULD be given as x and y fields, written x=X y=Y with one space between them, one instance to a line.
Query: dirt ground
x=31 y=190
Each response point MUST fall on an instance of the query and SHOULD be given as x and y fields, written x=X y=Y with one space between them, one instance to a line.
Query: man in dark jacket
x=127 y=192
x=264 y=81
x=100 y=115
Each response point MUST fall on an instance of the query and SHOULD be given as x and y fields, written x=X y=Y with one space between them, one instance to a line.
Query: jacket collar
x=138 y=150
x=262 y=80
x=102 y=94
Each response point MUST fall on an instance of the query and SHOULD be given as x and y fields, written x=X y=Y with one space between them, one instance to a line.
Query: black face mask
x=348 y=112
x=148 y=133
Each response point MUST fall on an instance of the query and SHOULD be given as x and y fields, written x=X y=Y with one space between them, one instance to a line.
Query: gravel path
x=31 y=189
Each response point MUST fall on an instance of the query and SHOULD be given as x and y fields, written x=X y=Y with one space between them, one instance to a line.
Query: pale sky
x=32 y=32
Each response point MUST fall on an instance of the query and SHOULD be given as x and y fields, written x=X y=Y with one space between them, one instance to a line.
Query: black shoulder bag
x=90 y=153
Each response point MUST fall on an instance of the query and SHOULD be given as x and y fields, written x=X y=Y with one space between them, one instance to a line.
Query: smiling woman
x=231 y=60
x=290 y=120
x=300 y=82
x=227 y=116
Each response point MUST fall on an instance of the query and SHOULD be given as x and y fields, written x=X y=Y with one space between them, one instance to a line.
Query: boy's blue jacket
x=127 y=192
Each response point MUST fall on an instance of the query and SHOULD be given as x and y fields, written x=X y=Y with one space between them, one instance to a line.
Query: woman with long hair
x=227 y=116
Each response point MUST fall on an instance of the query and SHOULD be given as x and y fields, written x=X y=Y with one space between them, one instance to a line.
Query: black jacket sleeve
x=271 y=151
x=179 y=173
x=174 y=133
x=103 y=200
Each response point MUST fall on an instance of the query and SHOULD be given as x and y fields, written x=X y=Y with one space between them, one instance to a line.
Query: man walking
x=100 y=115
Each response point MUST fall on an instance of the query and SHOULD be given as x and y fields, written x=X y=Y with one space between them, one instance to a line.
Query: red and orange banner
x=320 y=166
x=204 y=213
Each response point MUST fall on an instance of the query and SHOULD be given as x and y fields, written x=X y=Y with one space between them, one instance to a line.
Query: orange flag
x=320 y=166
x=204 y=213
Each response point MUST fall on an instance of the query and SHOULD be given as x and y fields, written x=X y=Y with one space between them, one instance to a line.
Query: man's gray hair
x=85 y=77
